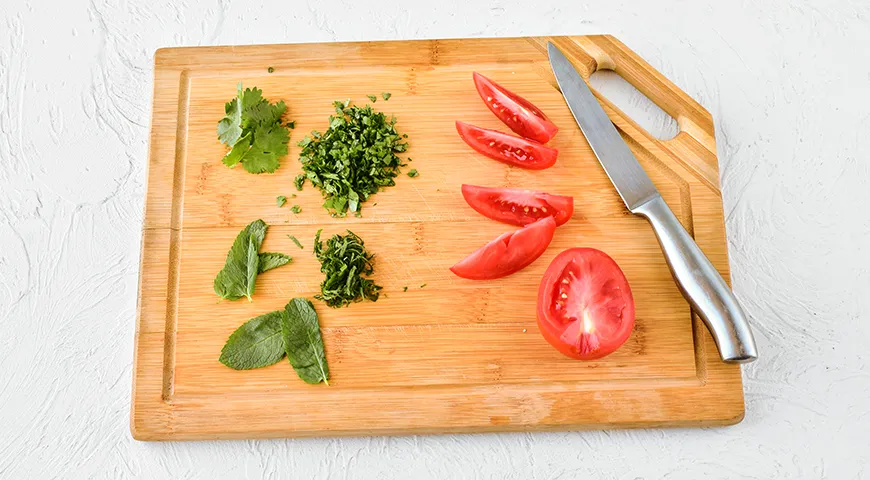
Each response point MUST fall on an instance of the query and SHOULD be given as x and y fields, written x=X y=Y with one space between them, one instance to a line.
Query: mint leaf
x=344 y=261
x=296 y=209
x=303 y=342
x=234 y=281
x=386 y=95
x=372 y=98
x=257 y=343
x=280 y=200
x=413 y=173
x=270 y=260
x=252 y=266
x=295 y=240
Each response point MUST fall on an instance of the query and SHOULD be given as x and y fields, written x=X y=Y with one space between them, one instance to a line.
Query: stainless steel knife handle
x=701 y=284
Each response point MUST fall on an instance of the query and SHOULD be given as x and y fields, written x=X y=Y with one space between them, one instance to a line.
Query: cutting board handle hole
x=635 y=104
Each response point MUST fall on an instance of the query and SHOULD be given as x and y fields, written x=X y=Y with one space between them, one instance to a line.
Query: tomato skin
x=518 y=207
x=508 y=253
x=514 y=111
x=585 y=306
x=506 y=148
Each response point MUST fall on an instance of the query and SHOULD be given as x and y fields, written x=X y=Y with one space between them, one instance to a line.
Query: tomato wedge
x=509 y=253
x=507 y=148
x=518 y=207
x=516 y=112
x=585 y=307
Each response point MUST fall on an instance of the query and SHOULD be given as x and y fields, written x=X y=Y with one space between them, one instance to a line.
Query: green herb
x=257 y=343
x=410 y=159
x=344 y=261
x=386 y=95
x=413 y=173
x=280 y=200
x=236 y=279
x=291 y=125
x=293 y=196
x=422 y=286
x=405 y=289
x=353 y=159
x=296 y=209
x=252 y=128
x=270 y=260
x=295 y=240
x=303 y=342
x=264 y=340
x=299 y=181
x=270 y=69
x=239 y=275
x=372 y=98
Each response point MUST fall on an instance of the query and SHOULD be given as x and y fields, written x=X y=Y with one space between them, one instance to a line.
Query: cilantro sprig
x=353 y=159
x=252 y=129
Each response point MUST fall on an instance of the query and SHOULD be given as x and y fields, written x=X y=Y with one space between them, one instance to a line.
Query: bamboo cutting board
x=455 y=355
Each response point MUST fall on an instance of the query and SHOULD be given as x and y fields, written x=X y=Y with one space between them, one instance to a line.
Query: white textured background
x=787 y=82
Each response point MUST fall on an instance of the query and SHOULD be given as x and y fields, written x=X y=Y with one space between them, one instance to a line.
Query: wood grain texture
x=455 y=356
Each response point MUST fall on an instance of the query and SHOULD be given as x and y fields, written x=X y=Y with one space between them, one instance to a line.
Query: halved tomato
x=516 y=112
x=585 y=307
x=518 y=207
x=509 y=253
x=507 y=148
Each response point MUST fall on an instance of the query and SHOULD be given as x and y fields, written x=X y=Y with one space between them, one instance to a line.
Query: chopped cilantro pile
x=353 y=159
x=252 y=128
x=344 y=261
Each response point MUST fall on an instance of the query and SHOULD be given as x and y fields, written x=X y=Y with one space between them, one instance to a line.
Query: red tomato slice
x=518 y=207
x=516 y=112
x=509 y=253
x=585 y=307
x=508 y=148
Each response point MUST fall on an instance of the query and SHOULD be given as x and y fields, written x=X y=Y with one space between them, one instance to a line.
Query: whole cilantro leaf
x=270 y=260
x=257 y=343
x=229 y=128
x=238 y=152
x=264 y=113
x=270 y=143
x=253 y=129
x=303 y=342
x=234 y=281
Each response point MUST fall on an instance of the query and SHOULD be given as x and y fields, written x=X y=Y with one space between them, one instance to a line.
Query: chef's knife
x=695 y=276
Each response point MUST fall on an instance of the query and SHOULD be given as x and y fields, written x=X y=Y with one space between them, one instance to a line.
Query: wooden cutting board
x=455 y=355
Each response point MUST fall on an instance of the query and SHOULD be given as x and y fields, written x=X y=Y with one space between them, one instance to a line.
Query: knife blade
x=697 y=278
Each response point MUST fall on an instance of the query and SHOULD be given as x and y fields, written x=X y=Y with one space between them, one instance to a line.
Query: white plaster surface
x=788 y=83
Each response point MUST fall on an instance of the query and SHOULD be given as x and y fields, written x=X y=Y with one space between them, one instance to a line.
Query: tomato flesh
x=518 y=207
x=506 y=148
x=514 y=111
x=509 y=253
x=585 y=306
